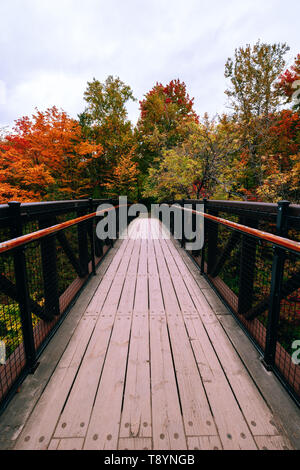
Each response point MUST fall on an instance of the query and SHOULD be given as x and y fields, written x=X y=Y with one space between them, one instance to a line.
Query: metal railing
x=48 y=252
x=251 y=257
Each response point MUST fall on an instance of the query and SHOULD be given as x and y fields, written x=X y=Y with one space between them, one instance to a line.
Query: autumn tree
x=105 y=120
x=46 y=157
x=196 y=167
x=124 y=177
x=288 y=84
x=254 y=98
x=163 y=114
x=281 y=159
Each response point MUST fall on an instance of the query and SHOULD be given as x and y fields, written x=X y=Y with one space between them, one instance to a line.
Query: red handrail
x=20 y=241
x=280 y=241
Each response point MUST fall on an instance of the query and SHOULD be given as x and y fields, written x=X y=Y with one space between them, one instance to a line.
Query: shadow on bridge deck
x=149 y=358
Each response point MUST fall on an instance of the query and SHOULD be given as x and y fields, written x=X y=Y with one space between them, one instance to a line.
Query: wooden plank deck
x=150 y=366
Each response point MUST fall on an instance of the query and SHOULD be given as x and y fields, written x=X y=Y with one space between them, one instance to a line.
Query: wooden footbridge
x=150 y=358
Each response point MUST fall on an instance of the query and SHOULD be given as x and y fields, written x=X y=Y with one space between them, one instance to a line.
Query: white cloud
x=50 y=49
x=2 y=93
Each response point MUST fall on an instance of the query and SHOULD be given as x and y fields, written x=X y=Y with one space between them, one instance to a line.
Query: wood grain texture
x=103 y=429
x=150 y=365
x=136 y=415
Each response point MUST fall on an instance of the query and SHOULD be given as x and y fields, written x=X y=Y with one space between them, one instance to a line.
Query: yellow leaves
x=123 y=180
x=279 y=183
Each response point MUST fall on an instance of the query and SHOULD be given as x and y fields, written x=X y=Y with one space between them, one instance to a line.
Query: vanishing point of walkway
x=149 y=365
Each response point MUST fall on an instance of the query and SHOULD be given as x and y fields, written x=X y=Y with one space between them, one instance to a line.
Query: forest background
x=252 y=152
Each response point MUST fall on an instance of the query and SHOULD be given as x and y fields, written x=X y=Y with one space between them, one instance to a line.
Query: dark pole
x=182 y=224
x=82 y=243
x=92 y=237
x=203 y=249
x=22 y=288
x=276 y=288
x=247 y=268
x=49 y=267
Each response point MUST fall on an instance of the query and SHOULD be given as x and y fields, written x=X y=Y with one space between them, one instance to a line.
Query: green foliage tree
x=165 y=111
x=105 y=120
x=254 y=98
x=197 y=166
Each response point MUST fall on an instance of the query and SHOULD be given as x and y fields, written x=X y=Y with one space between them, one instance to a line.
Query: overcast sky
x=50 y=49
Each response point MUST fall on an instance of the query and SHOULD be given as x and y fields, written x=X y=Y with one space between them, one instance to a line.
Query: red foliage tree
x=46 y=157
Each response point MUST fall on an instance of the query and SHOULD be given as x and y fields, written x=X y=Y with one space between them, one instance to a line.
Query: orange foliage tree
x=46 y=158
x=124 y=177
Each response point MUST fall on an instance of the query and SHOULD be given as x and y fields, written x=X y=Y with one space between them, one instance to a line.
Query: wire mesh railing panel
x=12 y=352
x=259 y=282
x=40 y=276
x=54 y=274
x=288 y=340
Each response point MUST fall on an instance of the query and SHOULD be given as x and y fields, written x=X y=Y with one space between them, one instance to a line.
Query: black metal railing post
x=276 y=287
x=22 y=289
x=111 y=240
x=212 y=241
x=99 y=244
x=83 y=243
x=172 y=221
x=117 y=222
x=182 y=224
x=247 y=267
x=92 y=236
x=202 y=265
x=49 y=268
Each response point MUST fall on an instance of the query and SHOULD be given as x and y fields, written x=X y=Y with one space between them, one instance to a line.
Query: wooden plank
x=215 y=303
x=98 y=300
x=168 y=430
x=257 y=413
x=134 y=229
x=152 y=265
x=76 y=414
x=103 y=430
x=40 y=426
x=273 y=443
x=141 y=293
x=197 y=417
x=199 y=300
x=186 y=265
x=204 y=443
x=38 y=431
x=169 y=295
x=70 y=444
x=74 y=352
x=111 y=303
x=12 y=423
x=285 y=410
x=156 y=303
x=135 y=444
x=143 y=259
x=232 y=426
x=184 y=298
x=127 y=297
x=136 y=415
x=54 y=443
